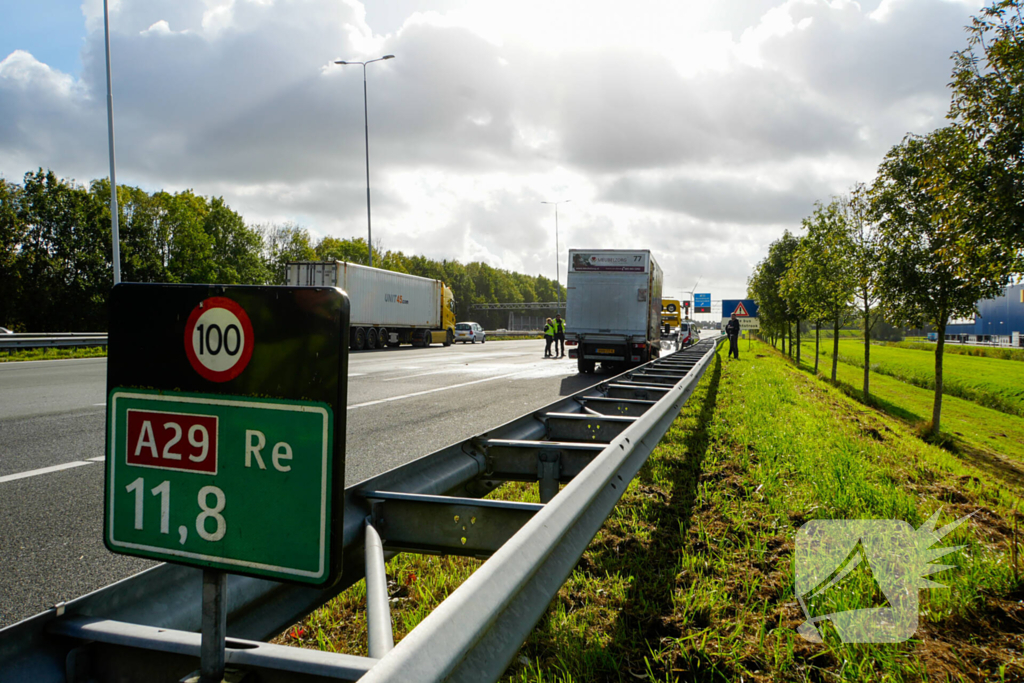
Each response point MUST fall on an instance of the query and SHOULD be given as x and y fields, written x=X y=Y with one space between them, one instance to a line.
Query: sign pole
x=215 y=619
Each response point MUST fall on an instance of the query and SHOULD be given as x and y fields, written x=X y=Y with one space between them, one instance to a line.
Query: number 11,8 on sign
x=206 y=512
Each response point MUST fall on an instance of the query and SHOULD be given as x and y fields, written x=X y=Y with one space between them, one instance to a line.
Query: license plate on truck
x=606 y=350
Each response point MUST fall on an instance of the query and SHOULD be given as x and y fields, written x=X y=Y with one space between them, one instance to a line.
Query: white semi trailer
x=613 y=307
x=387 y=308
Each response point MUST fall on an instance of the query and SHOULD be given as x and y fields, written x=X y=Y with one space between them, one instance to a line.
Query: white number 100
x=206 y=511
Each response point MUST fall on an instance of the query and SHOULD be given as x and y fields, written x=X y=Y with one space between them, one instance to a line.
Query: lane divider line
x=42 y=470
x=431 y=391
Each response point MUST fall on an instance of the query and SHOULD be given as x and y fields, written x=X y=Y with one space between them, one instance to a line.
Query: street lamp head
x=341 y=62
x=388 y=57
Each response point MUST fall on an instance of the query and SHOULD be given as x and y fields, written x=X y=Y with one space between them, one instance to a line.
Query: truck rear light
x=636 y=359
x=641 y=345
x=570 y=342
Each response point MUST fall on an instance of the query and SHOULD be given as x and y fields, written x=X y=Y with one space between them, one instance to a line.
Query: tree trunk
x=798 y=342
x=835 y=348
x=939 y=349
x=817 y=344
x=867 y=348
x=789 y=331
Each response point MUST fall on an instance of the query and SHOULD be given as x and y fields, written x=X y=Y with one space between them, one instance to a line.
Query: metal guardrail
x=145 y=628
x=32 y=340
x=526 y=306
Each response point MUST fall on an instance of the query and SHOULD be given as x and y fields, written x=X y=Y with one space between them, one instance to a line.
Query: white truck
x=613 y=308
x=387 y=308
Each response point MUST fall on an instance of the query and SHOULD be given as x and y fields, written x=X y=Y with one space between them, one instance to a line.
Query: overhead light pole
x=366 y=130
x=558 y=287
x=114 y=238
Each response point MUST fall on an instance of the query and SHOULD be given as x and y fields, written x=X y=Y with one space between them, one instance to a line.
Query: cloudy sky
x=699 y=130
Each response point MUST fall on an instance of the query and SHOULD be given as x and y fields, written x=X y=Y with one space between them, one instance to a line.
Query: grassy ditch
x=691 y=577
x=952 y=348
x=54 y=353
x=991 y=382
x=985 y=437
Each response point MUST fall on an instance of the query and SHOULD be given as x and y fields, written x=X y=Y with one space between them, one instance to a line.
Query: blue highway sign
x=745 y=310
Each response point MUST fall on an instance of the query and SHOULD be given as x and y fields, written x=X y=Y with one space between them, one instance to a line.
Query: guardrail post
x=547 y=473
x=215 y=623
x=378 y=612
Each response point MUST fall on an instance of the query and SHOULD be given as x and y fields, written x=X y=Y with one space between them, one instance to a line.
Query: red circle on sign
x=246 y=343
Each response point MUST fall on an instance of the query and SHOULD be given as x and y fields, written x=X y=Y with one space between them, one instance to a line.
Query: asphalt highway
x=402 y=404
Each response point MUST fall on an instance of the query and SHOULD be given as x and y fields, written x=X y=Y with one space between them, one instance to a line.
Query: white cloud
x=700 y=130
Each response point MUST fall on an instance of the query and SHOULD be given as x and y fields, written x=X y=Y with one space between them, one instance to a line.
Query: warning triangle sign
x=740 y=311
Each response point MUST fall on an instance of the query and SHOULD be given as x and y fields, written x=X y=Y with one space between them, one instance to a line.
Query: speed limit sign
x=218 y=339
x=225 y=443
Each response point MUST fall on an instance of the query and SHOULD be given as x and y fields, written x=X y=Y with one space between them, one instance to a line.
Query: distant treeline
x=56 y=265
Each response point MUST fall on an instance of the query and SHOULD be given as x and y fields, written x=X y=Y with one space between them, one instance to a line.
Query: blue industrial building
x=997 y=320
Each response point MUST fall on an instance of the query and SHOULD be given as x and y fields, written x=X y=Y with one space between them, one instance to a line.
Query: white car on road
x=470 y=332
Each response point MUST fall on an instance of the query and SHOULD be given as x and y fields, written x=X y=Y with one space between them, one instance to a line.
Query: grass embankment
x=54 y=354
x=691 y=577
x=977 y=434
x=952 y=348
x=991 y=382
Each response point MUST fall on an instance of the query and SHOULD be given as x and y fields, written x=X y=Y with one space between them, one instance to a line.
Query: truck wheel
x=449 y=339
x=358 y=339
x=371 y=338
x=585 y=366
x=383 y=338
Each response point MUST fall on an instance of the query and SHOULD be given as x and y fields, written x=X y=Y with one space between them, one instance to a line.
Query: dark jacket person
x=732 y=330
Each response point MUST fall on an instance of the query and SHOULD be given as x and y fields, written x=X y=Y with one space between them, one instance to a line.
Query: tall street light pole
x=558 y=287
x=366 y=130
x=114 y=239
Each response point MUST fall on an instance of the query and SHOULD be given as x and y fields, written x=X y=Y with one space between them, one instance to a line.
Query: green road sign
x=226 y=428
x=225 y=483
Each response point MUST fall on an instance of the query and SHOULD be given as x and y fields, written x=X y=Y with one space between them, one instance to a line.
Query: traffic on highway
x=402 y=403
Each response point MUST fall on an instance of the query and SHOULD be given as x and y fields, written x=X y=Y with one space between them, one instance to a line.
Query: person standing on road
x=549 y=336
x=732 y=330
x=559 y=336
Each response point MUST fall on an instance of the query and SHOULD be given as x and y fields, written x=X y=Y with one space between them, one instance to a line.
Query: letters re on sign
x=225 y=428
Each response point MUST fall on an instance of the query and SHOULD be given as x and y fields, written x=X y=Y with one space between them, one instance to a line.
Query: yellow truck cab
x=671 y=314
x=446 y=335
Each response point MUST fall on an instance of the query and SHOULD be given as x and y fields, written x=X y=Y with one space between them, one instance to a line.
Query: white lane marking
x=356 y=374
x=42 y=470
x=430 y=391
x=420 y=374
x=99 y=404
x=98 y=458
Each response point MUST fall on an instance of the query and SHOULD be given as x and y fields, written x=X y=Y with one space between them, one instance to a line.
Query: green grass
x=952 y=348
x=987 y=437
x=991 y=382
x=691 y=577
x=53 y=354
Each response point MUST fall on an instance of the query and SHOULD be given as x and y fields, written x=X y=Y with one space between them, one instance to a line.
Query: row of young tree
x=56 y=266
x=939 y=229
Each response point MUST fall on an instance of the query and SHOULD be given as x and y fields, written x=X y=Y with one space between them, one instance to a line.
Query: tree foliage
x=776 y=310
x=927 y=273
x=821 y=279
x=988 y=107
x=56 y=254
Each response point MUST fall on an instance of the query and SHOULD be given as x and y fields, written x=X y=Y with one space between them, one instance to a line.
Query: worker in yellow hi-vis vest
x=549 y=336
